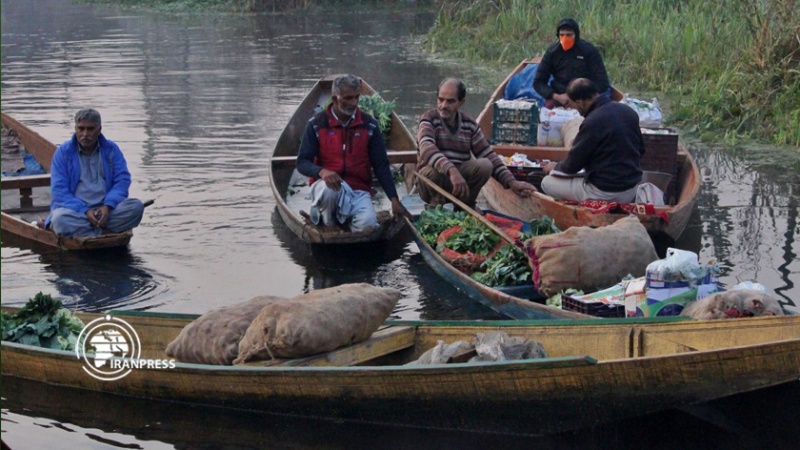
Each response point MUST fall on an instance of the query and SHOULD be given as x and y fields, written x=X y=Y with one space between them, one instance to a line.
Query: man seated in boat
x=454 y=153
x=608 y=149
x=89 y=183
x=340 y=148
x=569 y=58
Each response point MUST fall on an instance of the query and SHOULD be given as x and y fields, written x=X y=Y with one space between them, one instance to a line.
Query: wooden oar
x=466 y=208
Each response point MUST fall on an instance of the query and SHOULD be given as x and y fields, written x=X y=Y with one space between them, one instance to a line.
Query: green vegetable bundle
x=432 y=222
x=380 y=110
x=44 y=323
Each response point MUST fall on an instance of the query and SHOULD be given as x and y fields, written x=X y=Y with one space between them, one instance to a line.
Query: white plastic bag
x=650 y=115
x=649 y=193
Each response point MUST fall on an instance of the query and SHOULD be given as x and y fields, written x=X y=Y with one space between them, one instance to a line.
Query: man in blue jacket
x=89 y=183
x=569 y=58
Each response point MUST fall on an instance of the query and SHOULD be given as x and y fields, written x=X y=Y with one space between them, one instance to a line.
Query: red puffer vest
x=345 y=150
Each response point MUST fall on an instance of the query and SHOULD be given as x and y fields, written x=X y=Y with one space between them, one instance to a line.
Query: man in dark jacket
x=608 y=147
x=569 y=58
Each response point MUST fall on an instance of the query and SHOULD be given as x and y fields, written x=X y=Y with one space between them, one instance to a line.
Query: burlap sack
x=733 y=304
x=590 y=259
x=317 y=322
x=213 y=338
x=569 y=130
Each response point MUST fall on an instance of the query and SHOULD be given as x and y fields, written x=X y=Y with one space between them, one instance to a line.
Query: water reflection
x=78 y=419
x=99 y=280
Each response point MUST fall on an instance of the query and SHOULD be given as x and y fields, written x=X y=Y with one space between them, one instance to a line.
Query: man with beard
x=340 y=148
x=454 y=153
x=89 y=183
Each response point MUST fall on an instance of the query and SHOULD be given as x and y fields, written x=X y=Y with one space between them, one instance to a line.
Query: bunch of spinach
x=44 y=323
x=379 y=109
x=432 y=222
x=507 y=267
x=474 y=237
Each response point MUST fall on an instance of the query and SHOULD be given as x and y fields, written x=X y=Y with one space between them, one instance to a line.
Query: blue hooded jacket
x=65 y=173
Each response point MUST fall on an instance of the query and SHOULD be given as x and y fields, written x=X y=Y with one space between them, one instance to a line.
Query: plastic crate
x=514 y=126
x=514 y=115
x=522 y=135
x=592 y=307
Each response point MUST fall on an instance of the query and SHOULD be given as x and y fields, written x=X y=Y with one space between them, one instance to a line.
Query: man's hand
x=522 y=188
x=332 y=179
x=549 y=167
x=399 y=210
x=563 y=99
x=98 y=216
x=460 y=186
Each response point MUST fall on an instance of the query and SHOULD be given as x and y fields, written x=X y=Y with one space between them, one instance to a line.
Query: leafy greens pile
x=379 y=109
x=507 y=267
x=44 y=323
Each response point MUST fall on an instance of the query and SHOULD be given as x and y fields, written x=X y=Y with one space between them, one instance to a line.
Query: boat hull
x=638 y=368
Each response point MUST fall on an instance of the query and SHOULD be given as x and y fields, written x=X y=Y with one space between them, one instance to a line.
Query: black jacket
x=609 y=145
x=583 y=60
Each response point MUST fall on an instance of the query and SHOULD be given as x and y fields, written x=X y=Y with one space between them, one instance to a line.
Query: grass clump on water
x=729 y=68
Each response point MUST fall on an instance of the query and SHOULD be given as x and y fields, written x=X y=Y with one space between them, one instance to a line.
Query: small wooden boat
x=668 y=220
x=595 y=372
x=518 y=302
x=291 y=189
x=34 y=200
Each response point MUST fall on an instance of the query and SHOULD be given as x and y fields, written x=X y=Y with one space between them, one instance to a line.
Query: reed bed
x=729 y=68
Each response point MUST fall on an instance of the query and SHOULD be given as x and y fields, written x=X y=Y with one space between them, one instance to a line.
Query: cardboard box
x=668 y=298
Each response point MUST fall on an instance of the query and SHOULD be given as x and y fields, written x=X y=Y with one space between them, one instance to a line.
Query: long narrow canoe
x=595 y=372
x=291 y=189
x=506 y=302
x=669 y=220
x=18 y=219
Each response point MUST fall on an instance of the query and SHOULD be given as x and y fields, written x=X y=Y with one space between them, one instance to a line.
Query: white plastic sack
x=550 y=123
x=650 y=115
x=649 y=193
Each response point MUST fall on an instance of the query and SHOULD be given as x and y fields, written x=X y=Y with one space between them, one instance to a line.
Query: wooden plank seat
x=395 y=157
x=25 y=181
x=381 y=343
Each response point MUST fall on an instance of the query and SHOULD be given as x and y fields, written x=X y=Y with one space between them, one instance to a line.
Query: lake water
x=197 y=104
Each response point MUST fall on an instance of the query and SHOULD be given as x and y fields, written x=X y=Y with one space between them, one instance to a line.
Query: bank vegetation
x=728 y=69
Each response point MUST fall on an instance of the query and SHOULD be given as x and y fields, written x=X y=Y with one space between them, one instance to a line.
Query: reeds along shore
x=730 y=69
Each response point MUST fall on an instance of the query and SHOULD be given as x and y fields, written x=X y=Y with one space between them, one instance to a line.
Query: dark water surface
x=196 y=104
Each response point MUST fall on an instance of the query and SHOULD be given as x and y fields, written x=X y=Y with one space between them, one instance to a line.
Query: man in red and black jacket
x=340 y=148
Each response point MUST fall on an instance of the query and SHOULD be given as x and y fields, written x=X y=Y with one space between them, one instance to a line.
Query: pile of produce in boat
x=44 y=323
x=473 y=248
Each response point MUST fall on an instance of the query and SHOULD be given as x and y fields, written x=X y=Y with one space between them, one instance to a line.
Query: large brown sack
x=590 y=259
x=213 y=338
x=317 y=322
x=733 y=304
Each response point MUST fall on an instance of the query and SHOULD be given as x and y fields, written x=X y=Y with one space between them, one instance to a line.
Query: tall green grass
x=729 y=68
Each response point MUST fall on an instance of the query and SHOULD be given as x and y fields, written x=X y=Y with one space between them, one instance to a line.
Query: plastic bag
x=650 y=115
x=678 y=265
x=649 y=193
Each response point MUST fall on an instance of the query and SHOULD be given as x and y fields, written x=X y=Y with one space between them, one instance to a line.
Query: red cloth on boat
x=603 y=207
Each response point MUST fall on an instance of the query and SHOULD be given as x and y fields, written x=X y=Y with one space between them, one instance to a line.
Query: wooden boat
x=18 y=220
x=668 y=220
x=514 y=302
x=401 y=148
x=595 y=372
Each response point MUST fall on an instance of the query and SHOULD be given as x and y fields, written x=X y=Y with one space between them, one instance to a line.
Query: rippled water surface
x=197 y=103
